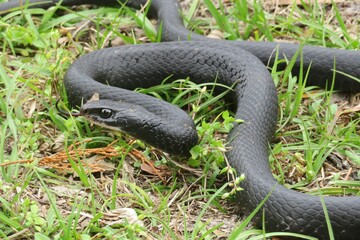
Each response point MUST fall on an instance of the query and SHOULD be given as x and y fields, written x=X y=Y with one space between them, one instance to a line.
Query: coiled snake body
x=255 y=99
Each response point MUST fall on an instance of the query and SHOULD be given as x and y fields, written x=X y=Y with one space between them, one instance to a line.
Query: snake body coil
x=129 y=67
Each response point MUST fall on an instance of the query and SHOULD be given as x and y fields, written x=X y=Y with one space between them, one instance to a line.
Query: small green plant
x=31 y=216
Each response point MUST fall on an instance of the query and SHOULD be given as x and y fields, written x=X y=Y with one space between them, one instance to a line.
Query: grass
x=172 y=198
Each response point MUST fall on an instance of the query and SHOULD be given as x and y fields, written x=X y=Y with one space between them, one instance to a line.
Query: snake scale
x=114 y=72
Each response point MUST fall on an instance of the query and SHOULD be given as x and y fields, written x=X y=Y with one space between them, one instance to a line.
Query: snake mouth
x=65 y=113
x=96 y=121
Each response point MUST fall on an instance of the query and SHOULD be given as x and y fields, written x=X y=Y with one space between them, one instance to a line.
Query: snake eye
x=105 y=113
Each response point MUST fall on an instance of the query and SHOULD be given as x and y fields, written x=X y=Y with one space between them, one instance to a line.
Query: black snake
x=255 y=100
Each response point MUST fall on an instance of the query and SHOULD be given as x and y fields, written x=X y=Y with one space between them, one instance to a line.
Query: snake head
x=115 y=115
x=142 y=124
